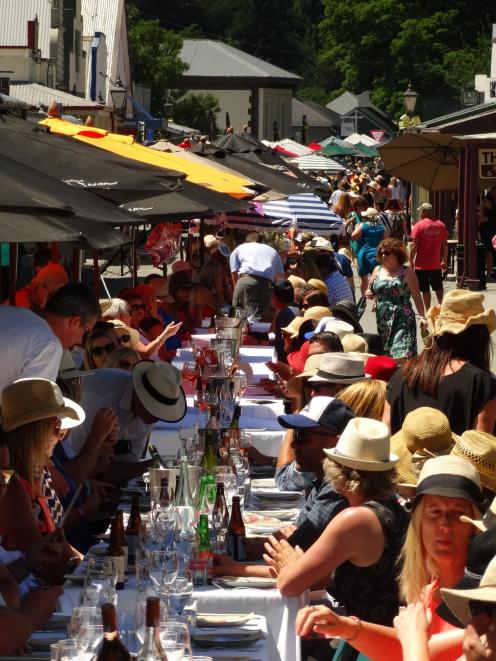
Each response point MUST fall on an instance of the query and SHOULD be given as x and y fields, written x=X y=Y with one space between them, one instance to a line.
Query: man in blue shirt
x=254 y=267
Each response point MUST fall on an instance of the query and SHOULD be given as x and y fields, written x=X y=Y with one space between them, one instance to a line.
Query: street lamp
x=410 y=100
x=119 y=96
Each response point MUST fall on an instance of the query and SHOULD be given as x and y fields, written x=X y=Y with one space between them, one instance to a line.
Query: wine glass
x=163 y=564
x=175 y=640
x=68 y=650
x=189 y=372
x=180 y=592
x=186 y=436
x=128 y=630
x=89 y=638
x=82 y=616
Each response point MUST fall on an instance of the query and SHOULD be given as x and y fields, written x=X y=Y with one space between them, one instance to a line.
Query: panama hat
x=209 y=240
x=354 y=343
x=319 y=243
x=160 y=288
x=480 y=449
x=370 y=212
x=296 y=281
x=473 y=586
x=157 y=386
x=451 y=477
x=121 y=326
x=487 y=521
x=293 y=327
x=30 y=400
x=338 y=367
x=311 y=367
x=459 y=310
x=364 y=445
x=68 y=369
x=317 y=313
x=336 y=326
x=319 y=284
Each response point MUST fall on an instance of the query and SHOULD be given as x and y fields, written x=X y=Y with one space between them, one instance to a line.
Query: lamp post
x=119 y=95
x=408 y=121
x=410 y=100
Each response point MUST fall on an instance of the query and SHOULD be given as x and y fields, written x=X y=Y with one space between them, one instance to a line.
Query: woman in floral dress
x=393 y=284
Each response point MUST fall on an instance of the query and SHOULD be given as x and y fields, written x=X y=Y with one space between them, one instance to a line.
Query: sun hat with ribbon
x=451 y=477
x=158 y=388
x=477 y=584
x=459 y=310
x=480 y=449
x=68 y=369
x=30 y=400
x=364 y=445
x=370 y=213
x=488 y=520
x=340 y=368
x=336 y=326
x=355 y=343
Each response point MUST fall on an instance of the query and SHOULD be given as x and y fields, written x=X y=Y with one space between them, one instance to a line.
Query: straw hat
x=317 y=313
x=364 y=445
x=160 y=288
x=311 y=368
x=30 y=400
x=210 y=240
x=319 y=243
x=459 y=310
x=370 y=212
x=480 y=449
x=319 y=284
x=157 y=386
x=355 y=343
x=122 y=329
x=68 y=369
x=296 y=281
x=181 y=265
x=451 y=477
x=293 y=327
x=336 y=326
x=338 y=367
x=487 y=521
x=374 y=185
x=69 y=423
x=458 y=601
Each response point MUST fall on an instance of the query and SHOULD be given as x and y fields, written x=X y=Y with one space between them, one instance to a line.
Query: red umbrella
x=285 y=152
x=315 y=146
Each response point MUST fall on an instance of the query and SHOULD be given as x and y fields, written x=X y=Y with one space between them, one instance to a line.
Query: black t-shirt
x=283 y=318
x=461 y=396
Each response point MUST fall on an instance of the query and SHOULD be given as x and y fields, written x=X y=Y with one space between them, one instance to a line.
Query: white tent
x=365 y=139
x=314 y=163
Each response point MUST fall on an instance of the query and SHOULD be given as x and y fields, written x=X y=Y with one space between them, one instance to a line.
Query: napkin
x=222 y=619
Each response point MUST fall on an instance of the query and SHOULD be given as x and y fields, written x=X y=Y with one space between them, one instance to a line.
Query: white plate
x=275 y=494
x=204 y=620
x=247 y=582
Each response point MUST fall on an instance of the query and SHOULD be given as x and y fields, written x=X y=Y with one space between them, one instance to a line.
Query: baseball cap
x=425 y=206
x=328 y=412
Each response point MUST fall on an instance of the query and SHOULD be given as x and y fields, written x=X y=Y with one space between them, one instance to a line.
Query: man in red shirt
x=429 y=253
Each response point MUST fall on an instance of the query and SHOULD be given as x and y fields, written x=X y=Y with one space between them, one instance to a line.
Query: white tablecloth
x=256 y=357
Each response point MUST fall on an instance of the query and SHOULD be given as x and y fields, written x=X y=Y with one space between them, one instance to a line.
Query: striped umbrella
x=315 y=163
x=307 y=211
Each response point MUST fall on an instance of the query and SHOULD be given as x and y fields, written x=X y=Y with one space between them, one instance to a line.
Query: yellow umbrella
x=222 y=182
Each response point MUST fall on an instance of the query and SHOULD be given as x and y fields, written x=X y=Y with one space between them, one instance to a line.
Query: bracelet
x=358 y=623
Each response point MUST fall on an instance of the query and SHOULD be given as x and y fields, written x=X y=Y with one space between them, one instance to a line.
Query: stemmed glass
x=186 y=436
x=180 y=592
x=175 y=640
x=89 y=638
x=164 y=566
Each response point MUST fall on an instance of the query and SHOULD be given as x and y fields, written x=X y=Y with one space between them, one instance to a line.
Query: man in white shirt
x=31 y=345
x=254 y=267
x=150 y=393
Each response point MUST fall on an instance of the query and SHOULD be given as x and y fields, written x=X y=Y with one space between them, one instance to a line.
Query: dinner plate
x=264 y=528
x=263 y=483
x=281 y=514
x=247 y=582
x=226 y=639
x=275 y=494
x=223 y=619
x=254 y=518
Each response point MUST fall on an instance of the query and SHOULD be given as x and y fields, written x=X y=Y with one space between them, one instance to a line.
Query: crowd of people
x=395 y=452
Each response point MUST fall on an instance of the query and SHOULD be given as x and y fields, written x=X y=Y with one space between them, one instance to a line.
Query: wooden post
x=470 y=219
x=76 y=265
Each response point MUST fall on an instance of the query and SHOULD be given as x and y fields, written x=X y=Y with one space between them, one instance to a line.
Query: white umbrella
x=315 y=163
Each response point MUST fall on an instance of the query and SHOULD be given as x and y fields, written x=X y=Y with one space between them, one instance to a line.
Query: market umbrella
x=316 y=163
x=430 y=160
x=238 y=142
x=365 y=150
x=308 y=211
x=315 y=146
x=338 y=150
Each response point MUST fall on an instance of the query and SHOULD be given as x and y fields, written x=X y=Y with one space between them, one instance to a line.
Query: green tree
x=193 y=110
x=154 y=54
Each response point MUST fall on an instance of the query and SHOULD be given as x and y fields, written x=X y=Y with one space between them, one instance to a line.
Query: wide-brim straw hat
x=459 y=310
x=296 y=281
x=319 y=284
x=450 y=477
x=30 y=400
x=337 y=367
x=364 y=445
x=487 y=521
x=354 y=343
x=426 y=428
x=293 y=328
x=68 y=369
x=158 y=388
x=70 y=423
x=132 y=332
x=458 y=600
x=160 y=288
x=480 y=449
x=317 y=313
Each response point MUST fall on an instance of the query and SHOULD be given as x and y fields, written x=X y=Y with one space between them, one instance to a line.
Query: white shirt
x=28 y=346
x=257 y=259
x=112 y=388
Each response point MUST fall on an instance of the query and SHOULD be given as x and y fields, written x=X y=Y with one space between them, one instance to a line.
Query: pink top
x=438 y=625
x=430 y=235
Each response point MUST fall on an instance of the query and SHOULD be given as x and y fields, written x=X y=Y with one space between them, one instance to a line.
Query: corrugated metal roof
x=33 y=94
x=14 y=17
x=317 y=115
x=460 y=115
x=206 y=57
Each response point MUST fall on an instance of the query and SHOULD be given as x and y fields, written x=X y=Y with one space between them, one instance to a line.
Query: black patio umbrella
x=238 y=142
x=81 y=165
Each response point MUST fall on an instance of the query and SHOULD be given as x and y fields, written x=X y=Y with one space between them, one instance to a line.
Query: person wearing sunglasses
x=393 y=285
x=98 y=346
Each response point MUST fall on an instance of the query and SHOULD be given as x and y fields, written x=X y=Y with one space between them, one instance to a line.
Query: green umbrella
x=365 y=150
x=338 y=150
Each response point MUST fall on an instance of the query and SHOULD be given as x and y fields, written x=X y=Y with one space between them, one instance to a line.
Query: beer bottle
x=236 y=532
x=122 y=535
x=133 y=529
x=220 y=507
x=112 y=648
x=204 y=547
x=157 y=460
x=152 y=649
x=116 y=553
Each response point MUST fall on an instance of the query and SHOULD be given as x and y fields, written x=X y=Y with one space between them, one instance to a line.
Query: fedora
x=318 y=312
x=161 y=289
x=364 y=445
x=355 y=343
x=478 y=582
x=480 y=449
x=68 y=369
x=340 y=368
x=370 y=212
x=319 y=284
x=459 y=310
x=181 y=265
x=336 y=326
x=451 y=477
x=348 y=310
x=121 y=326
x=157 y=386
x=487 y=521
x=30 y=400
x=311 y=367
x=319 y=243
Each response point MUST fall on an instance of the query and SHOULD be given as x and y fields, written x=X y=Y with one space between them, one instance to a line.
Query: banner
x=487 y=163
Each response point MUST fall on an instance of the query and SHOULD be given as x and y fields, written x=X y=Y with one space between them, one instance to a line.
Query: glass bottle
x=157 y=459
x=133 y=529
x=236 y=532
x=204 y=546
x=220 y=512
x=152 y=649
x=212 y=440
x=199 y=400
x=112 y=648
x=115 y=552
x=184 y=500
x=122 y=536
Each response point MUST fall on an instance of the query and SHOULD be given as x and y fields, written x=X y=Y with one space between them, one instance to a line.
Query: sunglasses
x=124 y=338
x=384 y=253
x=138 y=306
x=5 y=476
x=482 y=608
x=99 y=351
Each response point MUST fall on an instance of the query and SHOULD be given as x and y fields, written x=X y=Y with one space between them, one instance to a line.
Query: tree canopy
x=374 y=45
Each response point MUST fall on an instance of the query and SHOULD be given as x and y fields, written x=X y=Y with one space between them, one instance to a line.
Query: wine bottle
x=116 y=554
x=184 y=500
x=119 y=516
x=133 y=529
x=198 y=401
x=236 y=532
x=152 y=649
x=212 y=440
x=112 y=649
x=157 y=460
x=220 y=507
